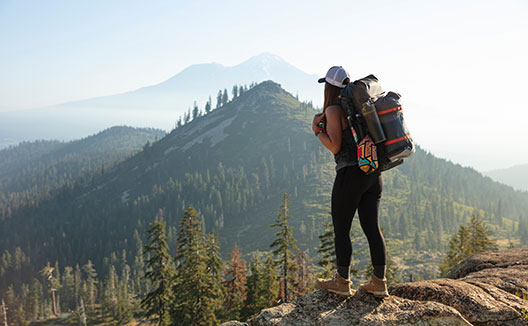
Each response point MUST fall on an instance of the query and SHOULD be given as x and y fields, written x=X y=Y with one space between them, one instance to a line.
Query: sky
x=460 y=65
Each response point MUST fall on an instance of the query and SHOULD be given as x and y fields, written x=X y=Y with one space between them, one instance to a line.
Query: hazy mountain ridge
x=32 y=170
x=515 y=176
x=233 y=165
x=157 y=105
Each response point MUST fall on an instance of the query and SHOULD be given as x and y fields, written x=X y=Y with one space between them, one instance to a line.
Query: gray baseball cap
x=336 y=75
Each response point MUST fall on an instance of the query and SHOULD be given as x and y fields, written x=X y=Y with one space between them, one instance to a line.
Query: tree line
x=222 y=98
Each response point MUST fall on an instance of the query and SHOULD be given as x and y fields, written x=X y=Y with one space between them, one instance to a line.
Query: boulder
x=485 y=288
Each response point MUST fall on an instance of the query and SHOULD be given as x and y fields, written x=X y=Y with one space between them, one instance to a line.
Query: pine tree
x=304 y=277
x=219 y=99
x=78 y=284
x=252 y=282
x=225 y=97
x=327 y=250
x=195 y=300
x=262 y=286
x=284 y=244
x=139 y=265
x=90 y=283
x=235 y=91
x=110 y=293
x=235 y=284
x=195 y=111
x=160 y=273
x=215 y=268
x=68 y=288
x=49 y=275
x=207 y=108
x=187 y=116
x=470 y=239
x=480 y=236
x=36 y=296
x=523 y=232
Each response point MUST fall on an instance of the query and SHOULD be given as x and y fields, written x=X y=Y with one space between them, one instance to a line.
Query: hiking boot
x=376 y=286
x=336 y=284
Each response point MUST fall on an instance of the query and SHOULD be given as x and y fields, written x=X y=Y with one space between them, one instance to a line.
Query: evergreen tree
x=195 y=111
x=49 y=275
x=195 y=299
x=78 y=284
x=187 y=116
x=255 y=274
x=139 y=265
x=215 y=268
x=124 y=311
x=235 y=91
x=36 y=297
x=262 y=286
x=327 y=250
x=418 y=241
x=207 y=108
x=219 y=99
x=225 y=97
x=160 y=273
x=470 y=239
x=304 y=279
x=523 y=232
x=110 y=295
x=90 y=283
x=235 y=284
x=283 y=246
x=68 y=289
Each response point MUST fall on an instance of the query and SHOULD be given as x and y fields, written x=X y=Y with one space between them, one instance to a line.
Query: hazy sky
x=460 y=65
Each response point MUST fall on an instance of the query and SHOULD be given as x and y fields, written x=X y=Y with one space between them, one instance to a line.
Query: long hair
x=331 y=94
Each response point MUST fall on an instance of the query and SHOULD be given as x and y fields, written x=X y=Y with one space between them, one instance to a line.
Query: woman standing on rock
x=353 y=190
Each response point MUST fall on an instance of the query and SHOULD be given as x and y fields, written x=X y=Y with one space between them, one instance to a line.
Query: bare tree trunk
x=4 y=310
x=54 y=302
x=82 y=316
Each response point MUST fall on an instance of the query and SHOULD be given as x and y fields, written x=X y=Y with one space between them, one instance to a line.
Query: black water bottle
x=368 y=111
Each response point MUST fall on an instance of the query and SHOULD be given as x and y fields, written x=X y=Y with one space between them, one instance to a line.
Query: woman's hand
x=317 y=118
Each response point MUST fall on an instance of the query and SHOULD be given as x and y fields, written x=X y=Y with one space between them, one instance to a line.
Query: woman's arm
x=332 y=138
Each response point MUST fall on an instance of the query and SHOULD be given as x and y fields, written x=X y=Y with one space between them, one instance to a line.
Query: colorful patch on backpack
x=367 y=155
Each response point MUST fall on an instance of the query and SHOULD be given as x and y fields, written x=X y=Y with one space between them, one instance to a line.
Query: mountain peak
x=265 y=58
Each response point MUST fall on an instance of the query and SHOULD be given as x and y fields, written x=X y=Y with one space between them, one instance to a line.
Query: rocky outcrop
x=482 y=290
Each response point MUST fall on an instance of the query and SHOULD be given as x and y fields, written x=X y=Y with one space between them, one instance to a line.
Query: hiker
x=352 y=190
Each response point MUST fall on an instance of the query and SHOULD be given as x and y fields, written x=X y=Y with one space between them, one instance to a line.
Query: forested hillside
x=233 y=164
x=32 y=171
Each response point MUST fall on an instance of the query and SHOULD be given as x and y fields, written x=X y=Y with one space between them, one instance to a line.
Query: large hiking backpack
x=372 y=112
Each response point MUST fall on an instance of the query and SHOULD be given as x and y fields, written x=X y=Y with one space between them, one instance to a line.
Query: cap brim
x=321 y=80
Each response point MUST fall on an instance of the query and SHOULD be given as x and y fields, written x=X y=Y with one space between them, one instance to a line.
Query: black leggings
x=353 y=189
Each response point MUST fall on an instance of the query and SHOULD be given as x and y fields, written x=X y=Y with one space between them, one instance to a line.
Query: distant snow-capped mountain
x=157 y=106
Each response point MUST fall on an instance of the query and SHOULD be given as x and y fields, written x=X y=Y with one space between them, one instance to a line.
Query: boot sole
x=377 y=294
x=339 y=292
